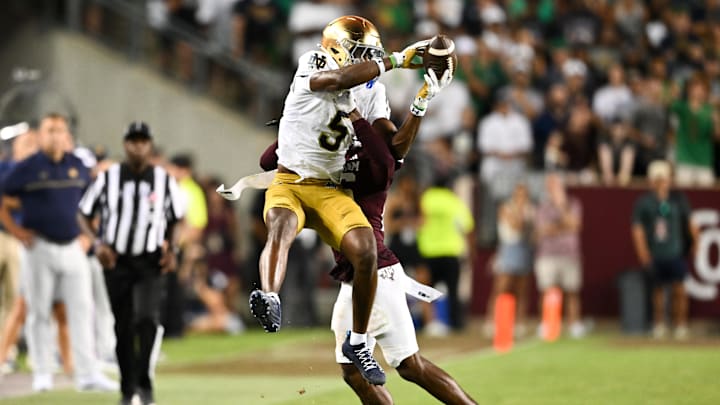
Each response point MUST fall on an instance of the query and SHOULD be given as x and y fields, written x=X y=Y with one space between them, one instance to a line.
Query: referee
x=138 y=205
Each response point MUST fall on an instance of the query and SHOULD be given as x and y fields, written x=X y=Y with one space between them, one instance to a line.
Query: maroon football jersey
x=368 y=172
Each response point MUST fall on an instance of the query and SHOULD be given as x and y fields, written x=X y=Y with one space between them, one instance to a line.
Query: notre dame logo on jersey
x=317 y=61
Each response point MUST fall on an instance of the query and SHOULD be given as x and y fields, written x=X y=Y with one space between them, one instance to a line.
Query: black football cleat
x=266 y=308
x=363 y=359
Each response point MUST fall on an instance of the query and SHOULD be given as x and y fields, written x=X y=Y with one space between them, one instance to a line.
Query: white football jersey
x=371 y=101
x=313 y=136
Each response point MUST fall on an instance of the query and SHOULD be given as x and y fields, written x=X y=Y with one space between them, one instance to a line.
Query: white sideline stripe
x=155 y=353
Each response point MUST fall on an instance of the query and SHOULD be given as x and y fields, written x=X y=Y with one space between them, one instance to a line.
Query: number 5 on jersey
x=331 y=141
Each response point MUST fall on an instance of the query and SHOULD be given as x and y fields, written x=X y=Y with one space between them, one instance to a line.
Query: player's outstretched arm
x=403 y=138
x=350 y=76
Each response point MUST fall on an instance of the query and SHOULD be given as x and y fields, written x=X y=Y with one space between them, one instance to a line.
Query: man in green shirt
x=695 y=131
x=662 y=230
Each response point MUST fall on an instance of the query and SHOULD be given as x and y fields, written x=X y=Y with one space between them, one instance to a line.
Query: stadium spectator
x=576 y=145
x=513 y=260
x=505 y=141
x=579 y=23
x=54 y=258
x=697 y=127
x=650 y=122
x=664 y=234
x=481 y=69
x=558 y=258
x=616 y=154
x=523 y=98
x=613 y=99
x=575 y=75
x=307 y=18
x=216 y=282
x=256 y=28
x=552 y=119
x=630 y=17
x=221 y=241
x=189 y=238
x=140 y=204
x=443 y=238
x=451 y=113
x=402 y=220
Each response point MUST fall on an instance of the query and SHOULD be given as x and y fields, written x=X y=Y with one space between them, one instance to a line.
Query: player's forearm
x=405 y=136
x=348 y=77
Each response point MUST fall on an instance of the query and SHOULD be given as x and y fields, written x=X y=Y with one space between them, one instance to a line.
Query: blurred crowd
x=597 y=88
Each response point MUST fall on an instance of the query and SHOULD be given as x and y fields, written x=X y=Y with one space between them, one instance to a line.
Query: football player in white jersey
x=314 y=136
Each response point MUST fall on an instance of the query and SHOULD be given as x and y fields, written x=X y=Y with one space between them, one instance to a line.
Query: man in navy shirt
x=49 y=185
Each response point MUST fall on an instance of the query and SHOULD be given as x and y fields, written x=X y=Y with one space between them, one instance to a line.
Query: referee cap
x=138 y=130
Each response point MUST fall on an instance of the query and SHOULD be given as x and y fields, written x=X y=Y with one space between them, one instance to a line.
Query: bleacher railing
x=124 y=26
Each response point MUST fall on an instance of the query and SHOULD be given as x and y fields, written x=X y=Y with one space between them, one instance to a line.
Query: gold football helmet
x=351 y=39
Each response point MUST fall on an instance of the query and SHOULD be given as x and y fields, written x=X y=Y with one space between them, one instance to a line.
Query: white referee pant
x=48 y=266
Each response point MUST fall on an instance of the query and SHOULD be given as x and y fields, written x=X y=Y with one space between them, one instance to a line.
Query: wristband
x=419 y=107
x=381 y=65
x=394 y=57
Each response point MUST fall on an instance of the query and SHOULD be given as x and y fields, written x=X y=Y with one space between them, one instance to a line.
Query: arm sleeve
x=89 y=202
x=14 y=181
x=379 y=106
x=637 y=214
x=269 y=158
x=308 y=64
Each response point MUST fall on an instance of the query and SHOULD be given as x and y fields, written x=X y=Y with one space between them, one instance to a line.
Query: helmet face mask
x=351 y=39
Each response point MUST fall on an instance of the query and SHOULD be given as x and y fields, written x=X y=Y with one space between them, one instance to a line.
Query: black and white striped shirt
x=135 y=210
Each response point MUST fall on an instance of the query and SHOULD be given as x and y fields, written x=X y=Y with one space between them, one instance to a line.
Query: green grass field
x=296 y=367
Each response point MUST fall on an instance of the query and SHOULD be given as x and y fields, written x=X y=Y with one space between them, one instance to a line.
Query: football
x=440 y=55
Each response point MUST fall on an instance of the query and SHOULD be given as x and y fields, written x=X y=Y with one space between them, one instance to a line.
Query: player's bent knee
x=411 y=368
x=359 y=246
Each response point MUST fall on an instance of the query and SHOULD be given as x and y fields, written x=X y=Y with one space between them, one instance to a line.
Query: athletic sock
x=358 y=338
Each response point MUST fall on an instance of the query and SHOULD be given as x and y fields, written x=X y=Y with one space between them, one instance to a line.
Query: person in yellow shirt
x=442 y=240
x=189 y=238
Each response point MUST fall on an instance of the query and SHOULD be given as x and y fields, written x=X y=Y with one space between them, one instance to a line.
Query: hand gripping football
x=440 y=55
